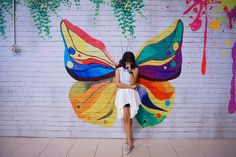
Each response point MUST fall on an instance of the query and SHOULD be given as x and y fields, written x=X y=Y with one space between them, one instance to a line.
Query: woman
x=127 y=97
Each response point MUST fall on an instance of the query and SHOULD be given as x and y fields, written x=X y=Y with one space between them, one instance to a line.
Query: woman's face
x=128 y=64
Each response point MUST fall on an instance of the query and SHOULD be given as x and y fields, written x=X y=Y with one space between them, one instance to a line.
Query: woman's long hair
x=128 y=56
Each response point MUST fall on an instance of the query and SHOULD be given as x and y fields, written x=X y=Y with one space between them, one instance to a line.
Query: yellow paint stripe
x=86 y=50
x=157 y=63
x=66 y=35
x=73 y=40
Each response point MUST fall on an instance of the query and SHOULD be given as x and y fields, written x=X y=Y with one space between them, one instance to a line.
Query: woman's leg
x=128 y=125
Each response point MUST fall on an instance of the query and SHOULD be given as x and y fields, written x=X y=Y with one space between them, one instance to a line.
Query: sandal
x=128 y=148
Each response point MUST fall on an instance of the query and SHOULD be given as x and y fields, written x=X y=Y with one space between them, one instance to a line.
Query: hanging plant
x=124 y=11
x=77 y=3
x=6 y=8
x=97 y=4
x=40 y=10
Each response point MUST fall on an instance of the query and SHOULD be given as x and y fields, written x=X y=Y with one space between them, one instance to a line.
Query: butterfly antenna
x=122 y=47
x=127 y=46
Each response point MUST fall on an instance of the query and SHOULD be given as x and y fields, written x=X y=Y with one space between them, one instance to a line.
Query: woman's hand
x=117 y=81
x=133 y=76
x=128 y=66
x=134 y=86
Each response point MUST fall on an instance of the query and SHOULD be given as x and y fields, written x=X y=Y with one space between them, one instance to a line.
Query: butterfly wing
x=159 y=60
x=94 y=102
x=86 y=58
x=157 y=101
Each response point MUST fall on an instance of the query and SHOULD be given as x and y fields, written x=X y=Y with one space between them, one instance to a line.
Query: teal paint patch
x=173 y=64
x=147 y=119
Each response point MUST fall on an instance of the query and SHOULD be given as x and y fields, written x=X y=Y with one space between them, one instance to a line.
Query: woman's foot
x=128 y=148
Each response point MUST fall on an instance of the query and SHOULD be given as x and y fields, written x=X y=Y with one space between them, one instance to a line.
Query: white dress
x=126 y=96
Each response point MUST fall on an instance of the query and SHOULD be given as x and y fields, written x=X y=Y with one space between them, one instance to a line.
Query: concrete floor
x=76 y=147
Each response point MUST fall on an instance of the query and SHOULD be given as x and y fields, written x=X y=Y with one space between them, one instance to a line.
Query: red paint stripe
x=160 y=90
x=91 y=60
x=203 y=68
x=95 y=42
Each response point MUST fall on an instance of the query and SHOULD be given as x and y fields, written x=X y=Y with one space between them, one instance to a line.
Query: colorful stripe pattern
x=92 y=104
x=86 y=58
x=159 y=60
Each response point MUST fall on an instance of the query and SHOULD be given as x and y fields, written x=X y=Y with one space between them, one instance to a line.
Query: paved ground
x=75 y=147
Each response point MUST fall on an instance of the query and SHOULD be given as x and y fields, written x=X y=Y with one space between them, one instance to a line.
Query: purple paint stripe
x=232 y=103
x=163 y=72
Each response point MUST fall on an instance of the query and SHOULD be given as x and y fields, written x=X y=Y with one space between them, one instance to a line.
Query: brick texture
x=34 y=85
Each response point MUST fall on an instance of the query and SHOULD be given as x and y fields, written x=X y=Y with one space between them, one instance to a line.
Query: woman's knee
x=126 y=117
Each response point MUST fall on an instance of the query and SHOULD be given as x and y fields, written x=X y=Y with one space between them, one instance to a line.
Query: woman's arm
x=117 y=81
x=133 y=76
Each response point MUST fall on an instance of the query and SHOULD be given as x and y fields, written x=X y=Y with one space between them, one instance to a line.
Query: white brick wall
x=34 y=85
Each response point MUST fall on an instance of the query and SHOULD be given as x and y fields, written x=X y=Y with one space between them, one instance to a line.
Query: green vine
x=77 y=3
x=40 y=10
x=124 y=11
x=6 y=8
x=97 y=4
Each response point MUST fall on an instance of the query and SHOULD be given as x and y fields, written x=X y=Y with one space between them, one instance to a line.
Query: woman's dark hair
x=128 y=56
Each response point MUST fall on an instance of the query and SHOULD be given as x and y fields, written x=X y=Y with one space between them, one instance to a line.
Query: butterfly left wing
x=86 y=58
x=159 y=60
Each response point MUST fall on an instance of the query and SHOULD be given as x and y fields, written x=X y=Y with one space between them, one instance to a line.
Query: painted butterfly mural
x=92 y=97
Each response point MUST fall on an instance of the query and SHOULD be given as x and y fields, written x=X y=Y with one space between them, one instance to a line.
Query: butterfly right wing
x=159 y=60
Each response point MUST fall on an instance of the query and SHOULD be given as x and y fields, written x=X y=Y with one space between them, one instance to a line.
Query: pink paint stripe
x=86 y=37
x=232 y=103
x=193 y=5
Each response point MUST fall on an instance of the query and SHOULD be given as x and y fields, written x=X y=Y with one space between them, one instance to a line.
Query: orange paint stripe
x=86 y=99
x=160 y=90
x=107 y=105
